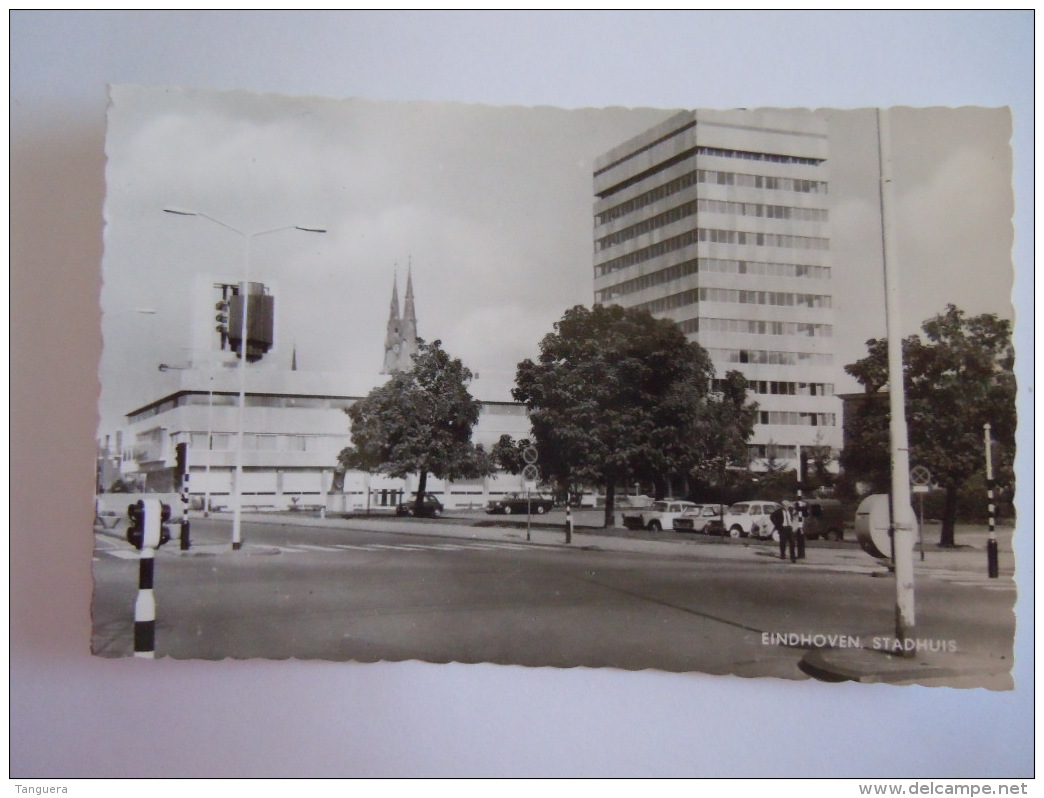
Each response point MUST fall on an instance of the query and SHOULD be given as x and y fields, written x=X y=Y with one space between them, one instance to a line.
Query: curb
x=870 y=666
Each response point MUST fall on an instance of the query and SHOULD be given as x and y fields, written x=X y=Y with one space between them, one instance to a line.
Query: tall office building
x=719 y=220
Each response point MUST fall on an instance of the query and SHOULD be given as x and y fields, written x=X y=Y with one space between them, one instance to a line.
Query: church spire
x=393 y=338
x=400 y=345
x=409 y=315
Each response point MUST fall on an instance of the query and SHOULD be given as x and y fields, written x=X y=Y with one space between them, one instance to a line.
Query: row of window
x=692 y=237
x=783 y=388
x=213 y=399
x=766 y=357
x=674 y=160
x=712 y=177
x=716 y=265
x=779 y=298
x=670 y=274
x=765 y=157
x=772 y=451
x=226 y=442
x=764 y=268
x=745 y=237
x=691 y=208
x=757 y=327
x=797 y=419
x=205 y=398
x=732 y=295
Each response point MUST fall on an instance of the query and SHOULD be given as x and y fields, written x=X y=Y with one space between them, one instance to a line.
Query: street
x=391 y=589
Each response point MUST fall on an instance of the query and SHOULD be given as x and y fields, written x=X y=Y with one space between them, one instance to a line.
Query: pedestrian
x=783 y=522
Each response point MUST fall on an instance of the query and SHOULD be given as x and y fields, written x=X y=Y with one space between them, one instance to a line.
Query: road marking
x=123 y=555
x=305 y=548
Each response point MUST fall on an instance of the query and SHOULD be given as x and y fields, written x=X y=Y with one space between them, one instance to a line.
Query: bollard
x=183 y=462
x=145 y=607
x=569 y=524
x=145 y=604
x=991 y=546
x=992 y=565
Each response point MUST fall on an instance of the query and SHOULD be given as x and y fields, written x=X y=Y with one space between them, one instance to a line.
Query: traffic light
x=143 y=528
x=260 y=309
x=221 y=318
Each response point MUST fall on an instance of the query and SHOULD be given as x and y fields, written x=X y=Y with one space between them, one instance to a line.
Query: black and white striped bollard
x=569 y=524
x=145 y=605
x=183 y=473
x=992 y=566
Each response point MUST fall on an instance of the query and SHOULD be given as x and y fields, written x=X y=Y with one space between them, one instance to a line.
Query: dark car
x=519 y=503
x=826 y=518
x=430 y=507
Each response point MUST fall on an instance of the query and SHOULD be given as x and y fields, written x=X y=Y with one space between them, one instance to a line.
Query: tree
x=619 y=394
x=506 y=454
x=957 y=379
x=419 y=421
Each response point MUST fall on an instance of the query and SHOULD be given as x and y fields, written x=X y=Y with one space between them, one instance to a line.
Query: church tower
x=400 y=343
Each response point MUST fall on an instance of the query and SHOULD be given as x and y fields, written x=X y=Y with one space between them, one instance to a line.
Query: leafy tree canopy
x=958 y=378
x=420 y=421
x=617 y=393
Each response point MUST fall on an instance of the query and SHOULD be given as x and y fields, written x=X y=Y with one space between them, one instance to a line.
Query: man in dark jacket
x=783 y=522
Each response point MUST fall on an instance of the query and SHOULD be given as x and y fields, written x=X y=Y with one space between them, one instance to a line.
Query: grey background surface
x=73 y=715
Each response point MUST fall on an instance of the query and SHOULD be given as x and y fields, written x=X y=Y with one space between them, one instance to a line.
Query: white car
x=657 y=516
x=750 y=519
x=701 y=518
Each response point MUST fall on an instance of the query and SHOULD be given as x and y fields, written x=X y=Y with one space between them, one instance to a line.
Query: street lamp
x=903 y=521
x=237 y=492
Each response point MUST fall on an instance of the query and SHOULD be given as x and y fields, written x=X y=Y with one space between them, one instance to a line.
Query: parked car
x=827 y=519
x=705 y=518
x=430 y=507
x=658 y=515
x=750 y=519
x=536 y=503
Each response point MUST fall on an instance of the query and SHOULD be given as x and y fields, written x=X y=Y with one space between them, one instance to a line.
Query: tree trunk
x=949 y=519
x=422 y=486
x=610 y=496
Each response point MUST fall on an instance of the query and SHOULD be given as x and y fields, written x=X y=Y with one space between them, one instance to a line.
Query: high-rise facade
x=719 y=220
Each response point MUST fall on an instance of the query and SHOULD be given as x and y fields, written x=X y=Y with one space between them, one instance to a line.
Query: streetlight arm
x=183 y=212
x=247 y=240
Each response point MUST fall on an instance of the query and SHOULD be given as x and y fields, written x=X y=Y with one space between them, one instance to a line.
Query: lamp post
x=903 y=522
x=248 y=237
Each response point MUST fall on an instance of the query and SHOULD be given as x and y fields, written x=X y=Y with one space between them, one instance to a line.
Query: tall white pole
x=210 y=445
x=237 y=490
x=903 y=522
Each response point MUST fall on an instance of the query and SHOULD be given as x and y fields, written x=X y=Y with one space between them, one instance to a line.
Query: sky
x=489 y=208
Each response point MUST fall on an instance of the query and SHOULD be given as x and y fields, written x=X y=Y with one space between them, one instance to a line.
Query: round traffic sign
x=919 y=475
x=530 y=473
x=529 y=454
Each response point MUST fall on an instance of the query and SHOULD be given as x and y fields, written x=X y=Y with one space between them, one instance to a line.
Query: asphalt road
x=448 y=593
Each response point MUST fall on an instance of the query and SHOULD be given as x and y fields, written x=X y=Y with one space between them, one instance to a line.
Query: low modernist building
x=294 y=426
